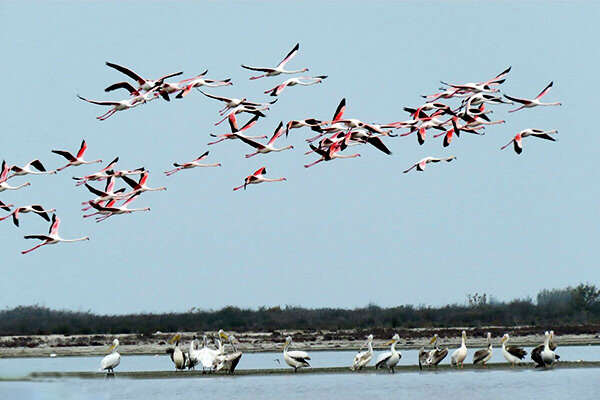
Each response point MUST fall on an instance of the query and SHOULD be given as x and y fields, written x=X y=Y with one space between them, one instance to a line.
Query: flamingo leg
x=251 y=155
x=257 y=77
x=227 y=116
x=106 y=113
x=33 y=248
x=217 y=141
x=517 y=109
x=311 y=164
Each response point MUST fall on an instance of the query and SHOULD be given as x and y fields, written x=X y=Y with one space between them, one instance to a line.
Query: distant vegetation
x=556 y=307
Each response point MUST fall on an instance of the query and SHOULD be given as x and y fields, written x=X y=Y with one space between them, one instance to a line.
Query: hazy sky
x=340 y=234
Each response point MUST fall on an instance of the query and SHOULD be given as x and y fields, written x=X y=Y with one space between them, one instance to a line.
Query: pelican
x=389 y=359
x=363 y=357
x=295 y=359
x=459 y=355
x=228 y=360
x=110 y=361
x=512 y=354
x=194 y=354
x=484 y=355
x=536 y=353
x=177 y=356
x=208 y=355
x=434 y=356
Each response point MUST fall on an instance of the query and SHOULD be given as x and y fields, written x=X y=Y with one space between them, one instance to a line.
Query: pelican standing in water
x=484 y=355
x=363 y=357
x=389 y=359
x=177 y=356
x=228 y=360
x=536 y=353
x=459 y=355
x=110 y=361
x=512 y=354
x=434 y=356
x=295 y=359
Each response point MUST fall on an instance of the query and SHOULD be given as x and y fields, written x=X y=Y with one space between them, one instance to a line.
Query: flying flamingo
x=191 y=164
x=4 y=176
x=125 y=172
x=34 y=208
x=52 y=237
x=97 y=176
x=140 y=187
x=75 y=160
x=198 y=82
x=279 y=69
x=535 y=102
x=339 y=113
x=329 y=154
x=107 y=194
x=26 y=169
x=302 y=80
x=116 y=105
x=517 y=140
x=144 y=84
x=242 y=108
x=110 y=209
x=446 y=94
x=257 y=177
x=234 y=129
x=310 y=122
x=265 y=148
x=233 y=102
x=421 y=164
x=449 y=134
x=482 y=86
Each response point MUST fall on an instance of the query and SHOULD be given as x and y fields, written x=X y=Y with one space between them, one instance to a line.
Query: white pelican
x=389 y=359
x=363 y=357
x=434 y=356
x=194 y=354
x=512 y=354
x=536 y=353
x=177 y=356
x=295 y=359
x=459 y=355
x=228 y=360
x=484 y=355
x=208 y=355
x=113 y=359
x=548 y=356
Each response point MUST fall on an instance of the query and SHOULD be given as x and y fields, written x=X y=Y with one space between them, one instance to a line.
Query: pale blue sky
x=340 y=234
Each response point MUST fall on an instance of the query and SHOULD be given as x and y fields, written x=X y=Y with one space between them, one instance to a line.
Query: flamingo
x=233 y=102
x=361 y=136
x=482 y=86
x=302 y=80
x=265 y=148
x=517 y=140
x=97 y=176
x=257 y=177
x=105 y=195
x=191 y=164
x=75 y=160
x=26 y=169
x=4 y=177
x=329 y=154
x=449 y=134
x=279 y=69
x=446 y=94
x=314 y=124
x=144 y=84
x=234 y=129
x=242 y=108
x=140 y=187
x=5 y=207
x=422 y=163
x=52 y=237
x=35 y=208
x=116 y=105
x=535 y=102
x=166 y=88
x=110 y=209
x=338 y=115
x=125 y=172
x=198 y=82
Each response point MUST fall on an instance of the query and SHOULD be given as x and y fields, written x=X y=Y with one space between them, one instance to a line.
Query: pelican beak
x=390 y=342
x=175 y=338
x=111 y=348
x=503 y=339
x=224 y=335
x=432 y=340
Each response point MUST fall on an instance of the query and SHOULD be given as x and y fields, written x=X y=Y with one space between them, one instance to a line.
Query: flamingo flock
x=332 y=137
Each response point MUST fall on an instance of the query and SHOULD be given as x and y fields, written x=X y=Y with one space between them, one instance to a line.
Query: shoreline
x=262 y=342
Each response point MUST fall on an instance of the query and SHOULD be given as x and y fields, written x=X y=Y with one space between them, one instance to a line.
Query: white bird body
x=459 y=355
x=530 y=103
x=26 y=169
x=302 y=81
x=548 y=356
x=279 y=69
x=512 y=354
x=389 y=359
x=362 y=358
x=295 y=359
x=113 y=359
x=52 y=237
x=423 y=162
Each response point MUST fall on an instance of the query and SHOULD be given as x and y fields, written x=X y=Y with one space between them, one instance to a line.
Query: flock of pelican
x=333 y=136
x=220 y=358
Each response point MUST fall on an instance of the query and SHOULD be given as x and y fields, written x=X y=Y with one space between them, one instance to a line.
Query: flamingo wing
x=517 y=99
x=65 y=154
x=127 y=72
x=122 y=85
x=100 y=103
x=339 y=112
x=290 y=55
x=257 y=69
x=82 y=149
x=55 y=224
x=545 y=91
x=249 y=141
x=261 y=171
x=278 y=132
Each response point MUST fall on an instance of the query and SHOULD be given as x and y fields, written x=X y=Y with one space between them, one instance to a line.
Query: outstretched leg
x=33 y=248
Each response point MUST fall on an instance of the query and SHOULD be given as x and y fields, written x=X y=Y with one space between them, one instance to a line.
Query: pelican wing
x=480 y=355
x=438 y=355
x=300 y=356
x=518 y=352
x=382 y=358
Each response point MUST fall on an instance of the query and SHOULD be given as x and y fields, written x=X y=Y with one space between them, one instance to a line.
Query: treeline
x=556 y=307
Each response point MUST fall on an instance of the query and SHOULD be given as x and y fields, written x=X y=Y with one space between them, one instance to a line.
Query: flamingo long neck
x=73 y=240
x=273 y=180
x=284 y=148
x=292 y=72
x=349 y=156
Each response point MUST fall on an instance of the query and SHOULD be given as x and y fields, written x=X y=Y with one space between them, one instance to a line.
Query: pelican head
x=394 y=339
x=434 y=339
x=489 y=336
x=113 y=346
x=223 y=335
x=464 y=335
x=504 y=338
x=288 y=341
x=175 y=338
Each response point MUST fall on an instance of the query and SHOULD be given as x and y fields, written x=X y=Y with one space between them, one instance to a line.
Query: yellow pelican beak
x=111 y=348
x=175 y=338
x=224 y=335
x=432 y=340
x=390 y=342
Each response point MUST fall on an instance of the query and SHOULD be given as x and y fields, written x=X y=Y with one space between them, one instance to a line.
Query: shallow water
x=582 y=383
x=19 y=367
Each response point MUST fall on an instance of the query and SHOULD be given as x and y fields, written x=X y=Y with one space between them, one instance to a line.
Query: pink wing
x=545 y=91
x=82 y=149
x=261 y=171
x=290 y=55
x=278 y=132
x=54 y=227
x=339 y=112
